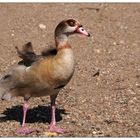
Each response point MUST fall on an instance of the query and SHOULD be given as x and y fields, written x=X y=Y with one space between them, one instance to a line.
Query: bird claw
x=24 y=131
x=55 y=129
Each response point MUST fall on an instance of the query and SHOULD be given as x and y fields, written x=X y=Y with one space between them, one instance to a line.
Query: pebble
x=94 y=132
x=131 y=91
x=121 y=41
x=115 y=43
x=123 y=27
x=14 y=61
x=42 y=26
x=137 y=84
x=98 y=51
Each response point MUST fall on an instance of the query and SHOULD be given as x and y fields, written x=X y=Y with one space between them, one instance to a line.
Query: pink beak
x=82 y=31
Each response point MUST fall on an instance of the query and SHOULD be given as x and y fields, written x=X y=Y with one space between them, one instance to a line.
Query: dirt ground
x=103 y=97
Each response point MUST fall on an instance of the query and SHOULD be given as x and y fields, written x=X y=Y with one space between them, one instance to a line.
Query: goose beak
x=82 y=31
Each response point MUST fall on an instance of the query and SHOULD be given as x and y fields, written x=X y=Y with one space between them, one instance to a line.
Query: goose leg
x=52 y=126
x=24 y=130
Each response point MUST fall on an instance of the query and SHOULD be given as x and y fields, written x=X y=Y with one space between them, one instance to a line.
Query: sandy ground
x=103 y=97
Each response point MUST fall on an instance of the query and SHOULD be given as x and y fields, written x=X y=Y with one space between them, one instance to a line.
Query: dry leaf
x=50 y=134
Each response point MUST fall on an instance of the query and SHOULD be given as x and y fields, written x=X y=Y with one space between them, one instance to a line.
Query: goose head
x=69 y=27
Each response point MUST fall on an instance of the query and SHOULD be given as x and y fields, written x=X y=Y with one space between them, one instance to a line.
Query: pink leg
x=24 y=130
x=53 y=127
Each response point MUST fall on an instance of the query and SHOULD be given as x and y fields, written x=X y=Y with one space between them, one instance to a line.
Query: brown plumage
x=27 y=54
x=45 y=74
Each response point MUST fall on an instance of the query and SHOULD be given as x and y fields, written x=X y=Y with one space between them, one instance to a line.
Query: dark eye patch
x=71 y=22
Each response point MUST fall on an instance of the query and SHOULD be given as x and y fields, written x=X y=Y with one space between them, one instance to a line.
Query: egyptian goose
x=42 y=75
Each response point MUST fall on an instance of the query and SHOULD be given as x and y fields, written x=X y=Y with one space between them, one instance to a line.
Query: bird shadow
x=40 y=114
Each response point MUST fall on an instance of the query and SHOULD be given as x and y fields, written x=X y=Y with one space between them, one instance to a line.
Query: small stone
x=14 y=61
x=94 y=132
x=114 y=43
x=121 y=41
x=68 y=122
x=97 y=50
x=42 y=26
x=131 y=91
x=137 y=84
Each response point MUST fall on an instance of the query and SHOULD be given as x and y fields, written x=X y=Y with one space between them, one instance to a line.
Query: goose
x=43 y=75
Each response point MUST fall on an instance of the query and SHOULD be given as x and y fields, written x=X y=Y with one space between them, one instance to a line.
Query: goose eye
x=71 y=23
x=82 y=29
